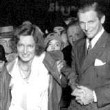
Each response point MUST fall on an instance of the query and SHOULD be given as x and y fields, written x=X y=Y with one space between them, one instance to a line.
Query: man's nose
x=86 y=27
x=25 y=49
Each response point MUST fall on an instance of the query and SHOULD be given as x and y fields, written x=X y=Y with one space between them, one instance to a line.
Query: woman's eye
x=57 y=45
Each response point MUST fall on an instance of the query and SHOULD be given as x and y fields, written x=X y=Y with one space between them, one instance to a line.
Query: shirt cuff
x=95 y=97
x=60 y=76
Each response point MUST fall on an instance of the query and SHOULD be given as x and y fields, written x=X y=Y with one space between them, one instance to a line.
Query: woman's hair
x=52 y=36
x=29 y=29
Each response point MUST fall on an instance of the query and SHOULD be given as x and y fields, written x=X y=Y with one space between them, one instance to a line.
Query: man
x=74 y=32
x=4 y=81
x=91 y=65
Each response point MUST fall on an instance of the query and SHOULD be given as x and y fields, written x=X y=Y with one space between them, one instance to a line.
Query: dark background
x=44 y=13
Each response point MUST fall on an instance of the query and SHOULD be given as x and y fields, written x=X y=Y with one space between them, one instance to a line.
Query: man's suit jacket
x=93 y=70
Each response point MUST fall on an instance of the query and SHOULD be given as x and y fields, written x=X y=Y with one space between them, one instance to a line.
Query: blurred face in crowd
x=64 y=39
x=26 y=48
x=1 y=65
x=74 y=33
x=90 y=23
x=58 y=29
x=54 y=45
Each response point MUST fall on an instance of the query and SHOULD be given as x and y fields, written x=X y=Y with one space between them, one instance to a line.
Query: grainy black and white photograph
x=54 y=54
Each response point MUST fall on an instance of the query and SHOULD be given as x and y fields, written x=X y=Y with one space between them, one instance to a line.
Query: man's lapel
x=94 y=53
x=80 y=52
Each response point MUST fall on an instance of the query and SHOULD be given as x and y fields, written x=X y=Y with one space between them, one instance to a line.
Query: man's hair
x=75 y=23
x=32 y=30
x=96 y=6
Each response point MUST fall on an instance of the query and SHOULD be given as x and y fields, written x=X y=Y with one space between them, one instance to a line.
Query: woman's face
x=1 y=65
x=54 y=45
x=26 y=48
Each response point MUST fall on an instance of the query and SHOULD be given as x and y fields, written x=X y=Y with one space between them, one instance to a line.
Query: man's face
x=54 y=45
x=74 y=33
x=90 y=23
x=26 y=48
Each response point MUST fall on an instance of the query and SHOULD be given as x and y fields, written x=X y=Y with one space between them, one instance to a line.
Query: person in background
x=54 y=45
x=58 y=29
x=66 y=92
x=68 y=20
x=91 y=61
x=70 y=36
x=64 y=38
x=4 y=81
x=57 y=43
x=74 y=32
x=66 y=48
x=29 y=77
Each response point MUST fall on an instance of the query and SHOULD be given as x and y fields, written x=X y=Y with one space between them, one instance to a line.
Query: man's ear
x=103 y=19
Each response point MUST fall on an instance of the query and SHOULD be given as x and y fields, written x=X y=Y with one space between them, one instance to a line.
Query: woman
x=4 y=81
x=55 y=58
x=30 y=79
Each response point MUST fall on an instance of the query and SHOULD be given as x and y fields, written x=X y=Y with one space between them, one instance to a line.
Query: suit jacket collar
x=95 y=52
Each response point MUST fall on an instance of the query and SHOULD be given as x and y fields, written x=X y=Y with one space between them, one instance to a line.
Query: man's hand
x=83 y=95
x=79 y=94
x=88 y=96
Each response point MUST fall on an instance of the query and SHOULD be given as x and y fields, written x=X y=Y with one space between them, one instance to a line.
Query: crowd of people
x=66 y=69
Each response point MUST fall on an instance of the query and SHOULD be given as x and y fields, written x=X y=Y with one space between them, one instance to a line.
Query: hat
x=53 y=36
x=6 y=32
x=2 y=53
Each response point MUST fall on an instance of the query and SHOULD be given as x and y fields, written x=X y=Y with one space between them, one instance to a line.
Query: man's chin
x=89 y=36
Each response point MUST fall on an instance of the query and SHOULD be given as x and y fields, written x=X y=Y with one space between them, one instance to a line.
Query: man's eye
x=81 y=23
x=77 y=34
x=70 y=36
x=91 y=22
x=31 y=46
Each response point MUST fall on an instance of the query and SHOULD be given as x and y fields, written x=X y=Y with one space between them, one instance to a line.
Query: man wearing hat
x=4 y=81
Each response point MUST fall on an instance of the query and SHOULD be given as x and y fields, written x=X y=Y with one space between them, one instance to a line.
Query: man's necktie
x=89 y=46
